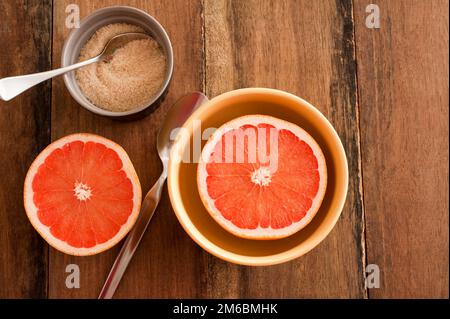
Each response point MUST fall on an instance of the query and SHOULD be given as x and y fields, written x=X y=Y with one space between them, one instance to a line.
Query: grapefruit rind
x=44 y=231
x=260 y=233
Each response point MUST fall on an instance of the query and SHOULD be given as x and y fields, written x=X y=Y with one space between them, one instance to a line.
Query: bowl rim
x=89 y=105
x=182 y=216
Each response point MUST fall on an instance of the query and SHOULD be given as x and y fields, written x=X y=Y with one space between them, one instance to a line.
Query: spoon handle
x=12 y=86
x=149 y=205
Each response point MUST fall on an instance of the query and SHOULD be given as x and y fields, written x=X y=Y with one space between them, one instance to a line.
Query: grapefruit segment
x=82 y=194
x=261 y=177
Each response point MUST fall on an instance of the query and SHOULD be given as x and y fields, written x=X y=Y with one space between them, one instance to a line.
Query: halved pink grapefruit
x=82 y=194
x=261 y=177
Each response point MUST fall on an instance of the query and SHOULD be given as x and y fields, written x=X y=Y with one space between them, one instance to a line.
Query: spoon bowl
x=119 y=41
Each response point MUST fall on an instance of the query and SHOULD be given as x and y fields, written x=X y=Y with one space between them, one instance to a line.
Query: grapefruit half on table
x=82 y=194
x=261 y=177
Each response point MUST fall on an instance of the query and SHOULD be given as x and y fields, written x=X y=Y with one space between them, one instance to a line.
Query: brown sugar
x=130 y=79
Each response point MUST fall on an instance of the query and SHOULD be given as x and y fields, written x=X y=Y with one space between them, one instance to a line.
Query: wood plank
x=167 y=263
x=25 y=31
x=403 y=89
x=307 y=48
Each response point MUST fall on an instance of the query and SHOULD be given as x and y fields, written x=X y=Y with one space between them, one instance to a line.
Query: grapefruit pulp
x=82 y=194
x=261 y=177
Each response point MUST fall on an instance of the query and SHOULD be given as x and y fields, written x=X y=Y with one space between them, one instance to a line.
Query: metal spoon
x=175 y=118
x=12 y=86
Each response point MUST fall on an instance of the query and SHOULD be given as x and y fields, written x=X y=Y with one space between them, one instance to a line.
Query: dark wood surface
x=385 y=91
x=24 y=132
x=403 y=93
x=174 y=266
x=276 y=52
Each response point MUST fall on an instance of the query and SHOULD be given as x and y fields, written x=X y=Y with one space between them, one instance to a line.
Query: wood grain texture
x=167 y=263
x=306 y=48
x=403 y=89
x=24 y=131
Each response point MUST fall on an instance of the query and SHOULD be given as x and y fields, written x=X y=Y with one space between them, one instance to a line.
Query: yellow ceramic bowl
x=196 y=220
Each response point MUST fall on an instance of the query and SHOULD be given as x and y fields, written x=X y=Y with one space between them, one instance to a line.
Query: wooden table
x=385 y=90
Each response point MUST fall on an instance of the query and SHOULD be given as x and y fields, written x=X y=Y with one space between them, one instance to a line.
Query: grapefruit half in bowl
x=261 y=177
x=185 y=158
x=82 y=194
